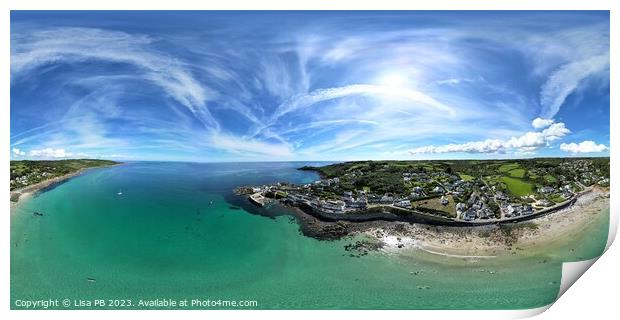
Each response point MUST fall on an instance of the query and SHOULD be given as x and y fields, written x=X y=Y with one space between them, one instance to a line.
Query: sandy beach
x=490 y=241
x=23 y=193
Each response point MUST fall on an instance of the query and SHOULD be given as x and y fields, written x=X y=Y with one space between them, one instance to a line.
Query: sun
x=393 y=80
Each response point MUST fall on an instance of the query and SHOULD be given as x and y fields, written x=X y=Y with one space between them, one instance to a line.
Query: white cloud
x=299 y=119
x=540 y=123
x=583 y=147
x=486 y=146
x=528 y=142
x=555 y=131
x=76 y=45
x=454 y=81
x=50 y=153
x=250 y=146
x=18 y=153
x=566 y=79
x=309 y=99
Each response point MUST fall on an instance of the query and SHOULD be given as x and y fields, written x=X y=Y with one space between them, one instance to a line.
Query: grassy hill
x=516 y=177
x=29 y=172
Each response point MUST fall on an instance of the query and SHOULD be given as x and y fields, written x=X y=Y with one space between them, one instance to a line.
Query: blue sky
x=260 y=86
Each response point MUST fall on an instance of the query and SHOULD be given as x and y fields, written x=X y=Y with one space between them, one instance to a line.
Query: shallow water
x=173 y=235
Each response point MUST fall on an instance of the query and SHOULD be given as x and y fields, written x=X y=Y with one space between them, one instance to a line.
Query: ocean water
x=174 y=234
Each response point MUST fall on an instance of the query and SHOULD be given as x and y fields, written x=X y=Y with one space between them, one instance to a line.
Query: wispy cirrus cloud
x=78 y=45
x=253 y=147
x=566 y=79
x=380 y=87
x=565 y=58
x=415 y=99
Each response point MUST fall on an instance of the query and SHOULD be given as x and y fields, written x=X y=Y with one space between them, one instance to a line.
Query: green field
x=517 y=173
x=516 y=177
x=516 y=186
x=508 y=167
x=512 y=169
x=435 y=204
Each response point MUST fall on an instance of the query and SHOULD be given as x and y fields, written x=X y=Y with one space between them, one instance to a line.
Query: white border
x=603 y=290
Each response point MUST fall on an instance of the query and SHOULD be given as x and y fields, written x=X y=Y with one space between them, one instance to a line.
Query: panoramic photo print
x=305 y=159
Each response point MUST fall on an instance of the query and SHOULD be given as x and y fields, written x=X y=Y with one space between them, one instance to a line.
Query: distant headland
x=28 y=176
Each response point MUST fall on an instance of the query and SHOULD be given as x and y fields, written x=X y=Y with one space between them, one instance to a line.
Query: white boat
x=120 y=193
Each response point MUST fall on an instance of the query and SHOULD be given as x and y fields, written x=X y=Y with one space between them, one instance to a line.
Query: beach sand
x=25 y=192
x=492 y=240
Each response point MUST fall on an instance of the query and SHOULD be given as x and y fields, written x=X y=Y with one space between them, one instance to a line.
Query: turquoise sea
x=175 y=233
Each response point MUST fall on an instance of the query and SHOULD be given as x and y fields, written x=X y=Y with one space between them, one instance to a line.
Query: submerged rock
x=361 y=248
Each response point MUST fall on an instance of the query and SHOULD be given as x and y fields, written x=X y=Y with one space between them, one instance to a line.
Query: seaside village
x=435 y=192
x=25 y=173
x=28 y=179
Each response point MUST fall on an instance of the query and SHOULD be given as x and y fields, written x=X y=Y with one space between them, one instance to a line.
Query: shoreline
x=25 y=192
x=396 y=214
x=474 y=242
x=494 y=241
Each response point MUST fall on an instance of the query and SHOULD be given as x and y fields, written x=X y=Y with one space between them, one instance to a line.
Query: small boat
x=257 y=199
x=37 y=213
x=120 y=193
x=211 y=202
x=91 y=280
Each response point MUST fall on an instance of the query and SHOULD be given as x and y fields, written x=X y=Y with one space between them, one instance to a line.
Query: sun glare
x=393 y=80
